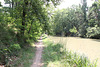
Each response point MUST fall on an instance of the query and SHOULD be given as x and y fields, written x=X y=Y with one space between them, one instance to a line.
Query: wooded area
x=24 y=21
x=82 y=21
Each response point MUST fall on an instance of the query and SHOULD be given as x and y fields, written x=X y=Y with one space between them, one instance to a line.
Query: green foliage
x=67 y=19
x=78 y=21
x=84 y=9
x=0 y=4
x=52 y=54
x=8 y=47
x=73 y=30
x=44 y=36
x=15 y=47
x=21 y=23
x=93 y=32
x=24 y=59
x=55 y=55
x=76 y=60
x=93 y=29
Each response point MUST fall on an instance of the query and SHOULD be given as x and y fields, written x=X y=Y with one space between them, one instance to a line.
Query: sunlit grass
x=25 y=57
x=55 y=55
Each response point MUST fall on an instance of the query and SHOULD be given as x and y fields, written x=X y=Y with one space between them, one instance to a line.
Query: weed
x=55 y=55
x=24 y=59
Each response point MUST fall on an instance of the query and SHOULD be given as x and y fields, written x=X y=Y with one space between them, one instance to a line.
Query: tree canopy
x=22 y=22
x=79 y=20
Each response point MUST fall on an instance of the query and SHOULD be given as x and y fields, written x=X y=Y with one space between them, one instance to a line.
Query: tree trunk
x=23 y=16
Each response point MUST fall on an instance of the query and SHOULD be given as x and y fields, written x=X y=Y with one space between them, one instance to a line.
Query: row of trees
x=78 y=21
x=21 y=22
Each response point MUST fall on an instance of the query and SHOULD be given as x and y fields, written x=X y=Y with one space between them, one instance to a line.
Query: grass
x=55 y=55
x=24 y=59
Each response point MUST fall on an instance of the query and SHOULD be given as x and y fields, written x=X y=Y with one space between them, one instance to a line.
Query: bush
x=8 y=44
x=93 y=32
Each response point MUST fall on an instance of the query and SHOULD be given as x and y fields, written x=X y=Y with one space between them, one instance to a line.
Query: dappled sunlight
x=54 y=64
x=37 y=62
x=25 y=25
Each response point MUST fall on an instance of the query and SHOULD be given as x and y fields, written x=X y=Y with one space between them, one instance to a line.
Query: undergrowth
x=24 y=59
x=14 y=51
x=55 y=55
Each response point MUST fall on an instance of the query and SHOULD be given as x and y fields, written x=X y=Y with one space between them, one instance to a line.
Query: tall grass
x=55 y=55
x=24 y=59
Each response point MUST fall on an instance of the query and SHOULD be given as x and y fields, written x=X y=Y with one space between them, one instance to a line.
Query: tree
x=22 y=22
x=84 y=8
x=68 y=19
x=94 y=21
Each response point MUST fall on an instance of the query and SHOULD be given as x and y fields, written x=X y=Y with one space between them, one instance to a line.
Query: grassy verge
x=54 y=55
x=24 y=59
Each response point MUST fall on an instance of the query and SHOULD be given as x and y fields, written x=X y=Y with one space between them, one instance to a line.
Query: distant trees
x=79 y=20
x=68 y=21
x=94 y=21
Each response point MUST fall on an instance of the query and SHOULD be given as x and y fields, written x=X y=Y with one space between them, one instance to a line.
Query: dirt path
x=88 y=47
x=37 y=62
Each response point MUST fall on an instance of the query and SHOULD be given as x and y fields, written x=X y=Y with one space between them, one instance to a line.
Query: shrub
x=93 y=32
